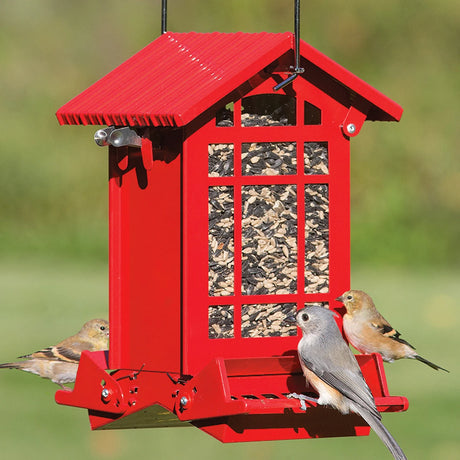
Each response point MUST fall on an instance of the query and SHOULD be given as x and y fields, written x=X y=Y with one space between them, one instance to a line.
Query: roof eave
x=382 y=108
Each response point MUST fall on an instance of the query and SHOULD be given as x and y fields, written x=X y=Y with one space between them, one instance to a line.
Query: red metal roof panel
x=386 y=109
x=174 y=79
x=179 y=75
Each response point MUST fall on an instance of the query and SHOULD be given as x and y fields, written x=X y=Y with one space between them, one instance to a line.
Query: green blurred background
x=53 y=206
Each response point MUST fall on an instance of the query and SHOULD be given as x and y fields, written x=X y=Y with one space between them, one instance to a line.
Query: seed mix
x=269 y=239
x=220 y=241
x=269 y=232
x=316 y=238
x=268 y=320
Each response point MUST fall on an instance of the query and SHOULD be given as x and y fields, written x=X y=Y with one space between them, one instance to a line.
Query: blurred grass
x=44 y=302
x=405 y=177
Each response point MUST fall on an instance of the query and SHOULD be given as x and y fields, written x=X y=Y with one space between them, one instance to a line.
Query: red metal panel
x=198 y=347
x=92 y=380
x=175 y=78
x=384 y=109
x=145 y=245
x=179 y=75
x=233 y=400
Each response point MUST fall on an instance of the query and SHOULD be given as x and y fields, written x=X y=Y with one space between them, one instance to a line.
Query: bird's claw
x=302 y=399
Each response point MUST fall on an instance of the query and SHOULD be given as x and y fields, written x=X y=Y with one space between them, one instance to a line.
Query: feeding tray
x=233 y=400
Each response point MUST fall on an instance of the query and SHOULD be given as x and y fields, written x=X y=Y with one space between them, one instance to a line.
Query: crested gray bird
x=332 y=370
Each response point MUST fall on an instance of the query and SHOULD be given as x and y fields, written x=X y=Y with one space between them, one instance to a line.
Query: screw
x=183 y=401
x=351 y=128
x=105 y=393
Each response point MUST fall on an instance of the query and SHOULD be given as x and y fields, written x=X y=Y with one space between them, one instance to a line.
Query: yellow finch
x=60 y=362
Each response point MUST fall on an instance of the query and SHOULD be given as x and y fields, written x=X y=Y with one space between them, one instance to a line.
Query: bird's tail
x=10 y=366
x=429 y=363
x=384 y=435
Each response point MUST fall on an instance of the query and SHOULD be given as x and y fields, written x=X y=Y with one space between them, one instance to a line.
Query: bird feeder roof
x=178 y=76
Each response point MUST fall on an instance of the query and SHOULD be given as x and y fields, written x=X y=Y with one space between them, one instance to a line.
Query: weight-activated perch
x=60 y=363
x=369 y=332
x=332 y=370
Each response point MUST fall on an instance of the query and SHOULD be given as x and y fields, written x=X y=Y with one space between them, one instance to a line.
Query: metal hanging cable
x=297 y=69
x=164 y=15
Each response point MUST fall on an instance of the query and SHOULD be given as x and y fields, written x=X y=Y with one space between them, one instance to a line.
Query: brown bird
x=60 y=362
x=369 y=332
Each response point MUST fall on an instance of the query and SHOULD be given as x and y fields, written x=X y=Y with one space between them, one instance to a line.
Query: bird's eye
x=102 y=328
x=304 y=317
x=349 y=297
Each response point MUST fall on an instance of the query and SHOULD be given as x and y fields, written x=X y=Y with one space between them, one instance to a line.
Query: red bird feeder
x=229 y=211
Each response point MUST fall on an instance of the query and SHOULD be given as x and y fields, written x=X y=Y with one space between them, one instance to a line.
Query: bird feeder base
x=233 y=400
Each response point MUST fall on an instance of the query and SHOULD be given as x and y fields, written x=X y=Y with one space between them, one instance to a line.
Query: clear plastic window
x=220 y=160
x=312 y=114
x=268 y=110
x=316 y=158
x=269 y=239
x=268 y=158
x=316 y=238
x=268 y=320
x=224 y=116
x=220 y=238
x=221 y=323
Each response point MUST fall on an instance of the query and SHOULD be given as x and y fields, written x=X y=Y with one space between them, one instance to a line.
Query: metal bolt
x=101 y=136
x=351 y=128
x=183 y=401
x=105 y=393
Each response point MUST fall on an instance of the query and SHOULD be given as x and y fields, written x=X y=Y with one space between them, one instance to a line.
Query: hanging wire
x=164 y=15
x=297 y=69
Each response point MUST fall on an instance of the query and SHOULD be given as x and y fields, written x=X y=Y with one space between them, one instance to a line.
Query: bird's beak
x=339 y=299
x=290 y=319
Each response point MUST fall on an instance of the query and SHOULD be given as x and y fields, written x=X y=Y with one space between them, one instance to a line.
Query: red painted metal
x=233 y=400
x=180 y=75
x=168 y=371
x=145 y=261
x=195 y=212
x=92 y=381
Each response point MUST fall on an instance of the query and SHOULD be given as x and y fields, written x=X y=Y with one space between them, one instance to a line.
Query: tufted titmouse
x=332 y=370
x=60 y=363
x=369 y=332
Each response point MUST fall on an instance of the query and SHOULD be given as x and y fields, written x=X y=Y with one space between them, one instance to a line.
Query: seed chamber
x=273 y=219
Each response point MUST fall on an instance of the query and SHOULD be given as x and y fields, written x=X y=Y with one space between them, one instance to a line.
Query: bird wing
x=68 y=354
x=385 y=328
x=68 y=350
x=346 y=378
x=55 y=354
x=44 y=353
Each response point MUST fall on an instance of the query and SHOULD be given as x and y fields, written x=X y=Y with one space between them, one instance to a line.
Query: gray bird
x=59 y=363
x=332 y=370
